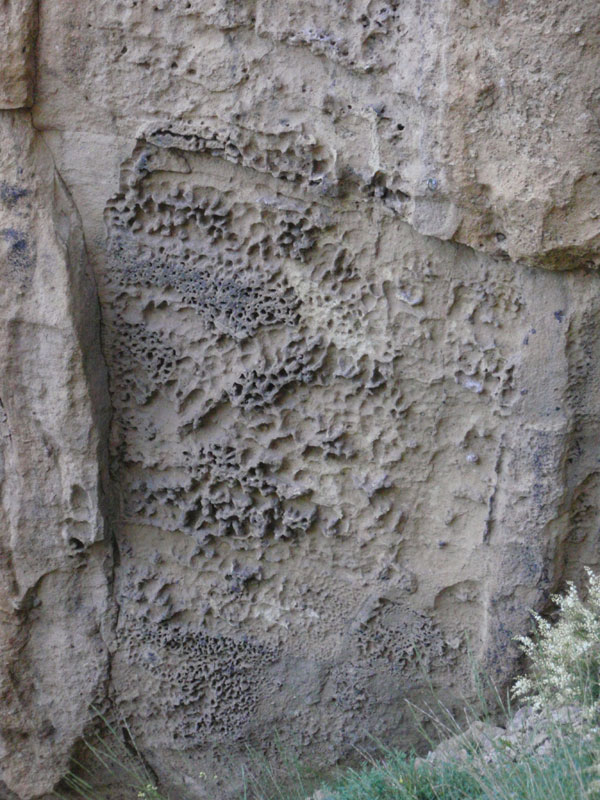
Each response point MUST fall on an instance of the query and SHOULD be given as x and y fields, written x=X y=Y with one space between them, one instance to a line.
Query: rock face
x=54 y=566
x=18 y=28
x=341 y=259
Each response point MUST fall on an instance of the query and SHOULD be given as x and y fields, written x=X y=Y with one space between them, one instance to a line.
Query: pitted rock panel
x=321 y=402
x=203 y=686
x=317 y=411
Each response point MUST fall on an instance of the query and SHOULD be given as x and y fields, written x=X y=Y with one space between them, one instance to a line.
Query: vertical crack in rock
x=54 y=606
x=490 y=519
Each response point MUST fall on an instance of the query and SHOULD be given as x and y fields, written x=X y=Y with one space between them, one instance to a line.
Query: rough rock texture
x=18 y=28
x=354 y=424
x=529 y=731
x=53 y=576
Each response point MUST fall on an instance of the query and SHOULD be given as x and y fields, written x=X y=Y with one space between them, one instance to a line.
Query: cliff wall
x=300 y=363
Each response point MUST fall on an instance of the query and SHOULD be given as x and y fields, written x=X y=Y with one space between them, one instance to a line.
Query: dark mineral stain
x=19 y=255
x=10 y=194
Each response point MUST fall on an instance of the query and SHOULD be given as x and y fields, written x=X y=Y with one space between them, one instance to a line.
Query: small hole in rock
x=75 y=544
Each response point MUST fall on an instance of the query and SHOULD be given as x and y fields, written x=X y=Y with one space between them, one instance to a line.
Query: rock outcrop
x=301 y=363
x=54 y=563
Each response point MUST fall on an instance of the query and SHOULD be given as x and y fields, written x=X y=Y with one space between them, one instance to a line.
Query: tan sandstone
x=18 y=29
x=341 y=259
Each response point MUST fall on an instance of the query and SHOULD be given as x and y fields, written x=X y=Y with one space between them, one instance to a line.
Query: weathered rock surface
x=18 y=29
x=529 y=731
x=354 y=424
x=53 y=571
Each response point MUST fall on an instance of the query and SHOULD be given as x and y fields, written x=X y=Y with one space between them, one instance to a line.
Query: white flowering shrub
x=565 y=657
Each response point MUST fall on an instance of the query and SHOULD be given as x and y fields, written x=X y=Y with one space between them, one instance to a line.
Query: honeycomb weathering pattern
x=352 y=429
x=309 y=400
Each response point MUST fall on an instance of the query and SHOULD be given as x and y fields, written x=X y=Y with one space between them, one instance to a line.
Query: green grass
x=498 y=771
x=563 y=776
x=564 y=672
x=110 y=758
x=567 y=774
x=502 y=770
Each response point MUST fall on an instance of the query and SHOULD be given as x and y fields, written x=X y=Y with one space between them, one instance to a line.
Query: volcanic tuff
x=300 y=364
